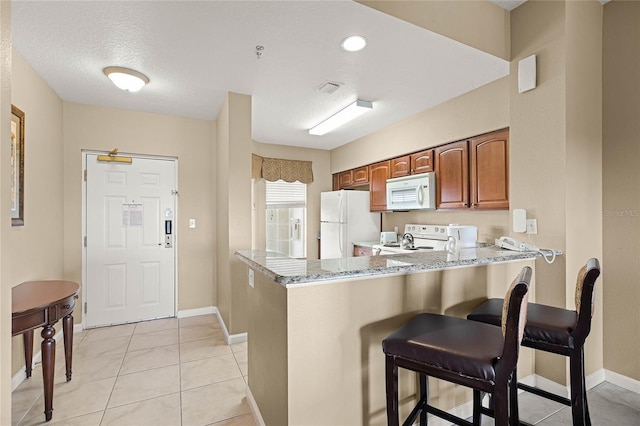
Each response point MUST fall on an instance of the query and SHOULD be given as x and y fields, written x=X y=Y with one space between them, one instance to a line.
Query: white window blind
x=281 y=194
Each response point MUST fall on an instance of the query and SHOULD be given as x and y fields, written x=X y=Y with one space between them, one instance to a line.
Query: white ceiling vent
x=329 y=87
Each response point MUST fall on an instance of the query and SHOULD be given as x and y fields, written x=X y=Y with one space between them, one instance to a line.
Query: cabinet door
x=361 y=175
x=362 y=251
x=452 y=175
x=422 y=162
x=401 y=166
x=336 y=182
x=346 y=179
x=378 y=175
x=489 y=158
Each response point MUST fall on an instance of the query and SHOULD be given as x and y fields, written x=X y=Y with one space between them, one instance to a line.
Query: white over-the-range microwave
x=415 y=192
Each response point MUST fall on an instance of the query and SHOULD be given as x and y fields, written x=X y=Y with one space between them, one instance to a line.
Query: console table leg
x=27 y=338
x=67 y=331
x=48 y=348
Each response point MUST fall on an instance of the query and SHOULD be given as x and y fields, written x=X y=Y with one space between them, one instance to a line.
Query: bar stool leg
x=424 y=390
x=579 y=408
x=501 y=403
x=392 y=391
x=477 y=405
x=513 y=397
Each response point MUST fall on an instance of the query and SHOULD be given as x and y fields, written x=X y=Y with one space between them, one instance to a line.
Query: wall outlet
x=532 y=226
x=251 y=277
x=192 y=223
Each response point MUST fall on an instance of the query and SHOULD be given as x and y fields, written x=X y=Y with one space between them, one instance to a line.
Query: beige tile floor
x=163 y=372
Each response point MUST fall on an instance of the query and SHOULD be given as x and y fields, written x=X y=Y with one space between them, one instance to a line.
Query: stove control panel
x=435 y=232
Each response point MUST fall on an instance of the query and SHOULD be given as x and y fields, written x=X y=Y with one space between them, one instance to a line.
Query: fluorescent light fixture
x=354 y=43
x=126 y=79
x=352 y=111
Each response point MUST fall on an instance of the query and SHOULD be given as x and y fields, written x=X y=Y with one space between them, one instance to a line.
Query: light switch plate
x=192 y=223
x=532 y=226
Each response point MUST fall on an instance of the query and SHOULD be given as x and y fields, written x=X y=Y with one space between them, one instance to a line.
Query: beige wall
x=479 y=24
x=321 y=182
x=191 y=142
x=36 y=248
x=621 y=199
x=583 y=190
x=5 y=221
x=233 y=203
x=476 y=112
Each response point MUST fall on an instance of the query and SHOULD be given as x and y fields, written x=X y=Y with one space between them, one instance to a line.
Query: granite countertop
x=291 y=272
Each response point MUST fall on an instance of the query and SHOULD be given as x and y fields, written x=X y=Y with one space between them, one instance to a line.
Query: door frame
x=176 y=233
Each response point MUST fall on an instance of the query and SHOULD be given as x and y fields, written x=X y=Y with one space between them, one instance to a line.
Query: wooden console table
x=41 y=304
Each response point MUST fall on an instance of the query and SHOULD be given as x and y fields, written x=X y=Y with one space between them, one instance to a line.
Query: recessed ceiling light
x=354 y=43
x=126 y=79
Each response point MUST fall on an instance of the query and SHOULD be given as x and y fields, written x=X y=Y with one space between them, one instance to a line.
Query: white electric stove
x=430 y=237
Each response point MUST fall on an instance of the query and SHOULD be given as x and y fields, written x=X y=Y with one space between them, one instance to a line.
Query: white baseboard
x=231 y=338
x=253 y=406
x=198 y=311
x=623 y=381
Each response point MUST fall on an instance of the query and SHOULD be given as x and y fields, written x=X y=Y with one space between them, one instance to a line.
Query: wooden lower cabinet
x=378 y=175
x=489 y=157
x=452 y=175
x=362 y=251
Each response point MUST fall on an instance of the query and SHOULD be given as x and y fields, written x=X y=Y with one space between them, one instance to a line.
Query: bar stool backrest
x=514 y=318
x=585 y=303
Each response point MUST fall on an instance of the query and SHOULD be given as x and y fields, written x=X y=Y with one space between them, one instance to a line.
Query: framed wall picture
x=17 y=166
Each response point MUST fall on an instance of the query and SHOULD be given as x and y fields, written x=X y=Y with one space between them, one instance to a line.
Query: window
x=286 y=212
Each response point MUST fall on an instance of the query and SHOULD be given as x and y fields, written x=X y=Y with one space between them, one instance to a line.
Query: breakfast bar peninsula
x=315 y=327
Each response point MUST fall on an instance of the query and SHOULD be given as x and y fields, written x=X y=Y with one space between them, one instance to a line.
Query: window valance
x=273 y=169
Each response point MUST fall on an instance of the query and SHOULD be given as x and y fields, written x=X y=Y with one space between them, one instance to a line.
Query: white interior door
x=130 y=262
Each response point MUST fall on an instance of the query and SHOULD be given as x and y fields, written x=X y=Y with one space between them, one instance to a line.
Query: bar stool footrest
x=545 y=394
x=447 y=416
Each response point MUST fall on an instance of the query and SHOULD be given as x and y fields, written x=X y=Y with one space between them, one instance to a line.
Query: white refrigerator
x=344 y=219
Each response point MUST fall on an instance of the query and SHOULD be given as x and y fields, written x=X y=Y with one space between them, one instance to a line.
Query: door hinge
x=85 y=240
x=85 y=175
x=85 y=307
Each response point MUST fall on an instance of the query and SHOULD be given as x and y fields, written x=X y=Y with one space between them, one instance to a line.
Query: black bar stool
x=559 y=331
x=460 y=351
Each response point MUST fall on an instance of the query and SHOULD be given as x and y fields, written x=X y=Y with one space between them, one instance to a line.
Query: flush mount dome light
x=354 y=43
x=126 y=79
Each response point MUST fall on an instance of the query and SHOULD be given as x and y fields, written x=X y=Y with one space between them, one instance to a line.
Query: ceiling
x=194 y=52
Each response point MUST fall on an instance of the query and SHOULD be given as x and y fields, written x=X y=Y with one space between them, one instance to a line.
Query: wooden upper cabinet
x=489 y=158
x=346 y=179
x=361 y=175
x=452 y=175
x=336 y=182
x=422 y=162
x=378 y=175
x=401 y=166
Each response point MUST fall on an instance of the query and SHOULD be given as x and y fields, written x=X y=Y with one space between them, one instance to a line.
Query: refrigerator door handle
x=340 y=239
x=341 y=213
